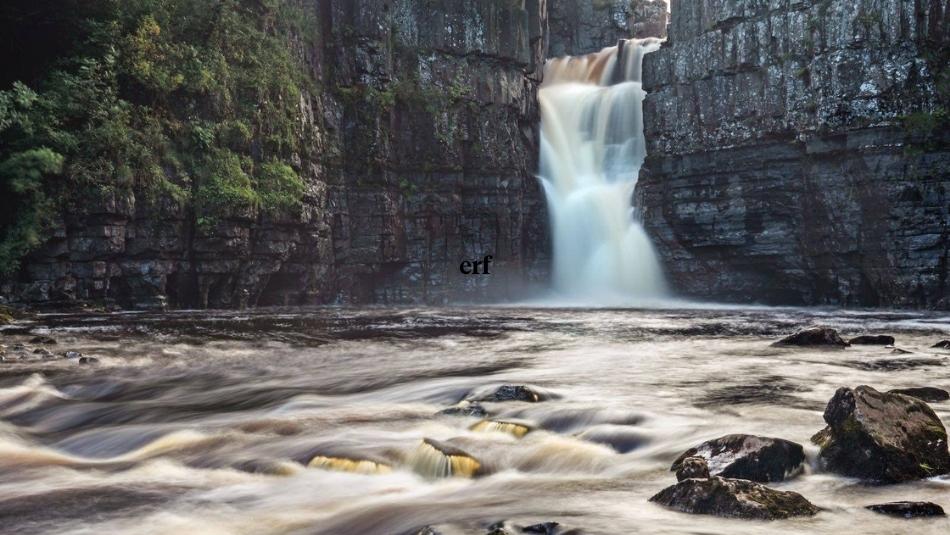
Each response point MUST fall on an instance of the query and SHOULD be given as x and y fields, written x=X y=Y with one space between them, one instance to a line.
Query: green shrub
x=191 y=100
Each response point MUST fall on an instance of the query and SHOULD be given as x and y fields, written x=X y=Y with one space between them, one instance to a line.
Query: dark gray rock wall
x=584 y=26
x=784 y=165
x=422 y=130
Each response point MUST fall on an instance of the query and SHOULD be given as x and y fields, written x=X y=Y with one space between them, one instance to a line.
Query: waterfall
x=592 y=147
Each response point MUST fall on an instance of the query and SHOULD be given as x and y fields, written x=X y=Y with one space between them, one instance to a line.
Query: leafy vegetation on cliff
x=185 y=99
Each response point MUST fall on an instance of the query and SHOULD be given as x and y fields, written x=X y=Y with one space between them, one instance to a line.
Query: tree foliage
x=189 y=99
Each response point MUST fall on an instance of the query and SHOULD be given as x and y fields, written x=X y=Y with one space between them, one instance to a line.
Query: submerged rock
x=466 y=408
x=882 y=437
x=762 y=459
x=943 y=344
x=930 y=394
x=347 y=464
x=738 y=498
x=88 y=360
x=515 y=428
x=692 y=468
x=434 y=459
x=45 y=340
x=908 y=509
x=815 y=336
x=72 y=354
x=515 y=393
x=544 y=528
x=621 y=439
x=872 y=340
x=428 y=530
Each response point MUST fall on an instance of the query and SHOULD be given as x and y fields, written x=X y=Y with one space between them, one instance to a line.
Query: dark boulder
x=872 y=340
x=72 y=354
x=762 y=459
x=737 y=498
x=908 y=509
x=816 y=336
x=88 y=360
x=544 y=528
x=693 y=468
x=515 y=393
x=943 y=344
x=465 y=408
x=882 y=437
x=930 y=394
x=45 y=340
x=428 y=530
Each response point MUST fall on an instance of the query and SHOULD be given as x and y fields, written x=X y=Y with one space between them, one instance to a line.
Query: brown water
x=204 y=422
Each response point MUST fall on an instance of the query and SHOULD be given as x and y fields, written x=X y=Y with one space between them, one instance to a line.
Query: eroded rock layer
x=421 y=125
x=798 y=151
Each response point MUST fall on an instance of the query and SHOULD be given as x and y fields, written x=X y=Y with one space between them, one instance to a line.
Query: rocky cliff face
x=423 y=128
x=798 y=151
x=584 y=26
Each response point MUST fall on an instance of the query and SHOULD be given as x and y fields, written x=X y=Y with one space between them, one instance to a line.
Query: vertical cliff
x=584 y=26
x=417 y=132
x=798 y=151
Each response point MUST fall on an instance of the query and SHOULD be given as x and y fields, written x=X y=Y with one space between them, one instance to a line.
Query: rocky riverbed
x=473 y=421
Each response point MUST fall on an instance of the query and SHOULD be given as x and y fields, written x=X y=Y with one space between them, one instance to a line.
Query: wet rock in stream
x=692 y=468
x=872 y=340
x=908 y=509
x=44 y=340
x=736 y=498
x=815 y=336
x=466 y=408
x=515 y=393
x=761 y=459
x=929 y=394
x=543 y=528
x=882 y=437
x=943 y=344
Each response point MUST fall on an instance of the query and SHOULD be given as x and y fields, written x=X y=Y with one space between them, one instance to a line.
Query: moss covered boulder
x=882 y=437
x=736 y=498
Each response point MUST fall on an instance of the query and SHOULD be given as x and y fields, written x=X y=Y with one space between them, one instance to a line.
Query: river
x=204 y=422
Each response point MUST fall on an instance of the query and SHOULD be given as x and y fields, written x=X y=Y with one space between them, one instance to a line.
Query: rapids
x=326 y=421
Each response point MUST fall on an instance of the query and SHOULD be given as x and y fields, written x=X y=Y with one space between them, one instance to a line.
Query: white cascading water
x=592 y=147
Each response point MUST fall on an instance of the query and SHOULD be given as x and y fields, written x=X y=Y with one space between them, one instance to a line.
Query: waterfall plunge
x=592 y=147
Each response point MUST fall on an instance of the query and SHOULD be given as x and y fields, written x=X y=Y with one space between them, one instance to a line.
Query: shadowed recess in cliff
x=592 y=147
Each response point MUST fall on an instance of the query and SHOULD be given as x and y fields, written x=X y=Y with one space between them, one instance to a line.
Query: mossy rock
x=735 y=498
x=882 y=437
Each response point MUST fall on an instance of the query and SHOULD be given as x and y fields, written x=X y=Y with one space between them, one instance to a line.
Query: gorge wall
x=421 y=130
x=798 y=151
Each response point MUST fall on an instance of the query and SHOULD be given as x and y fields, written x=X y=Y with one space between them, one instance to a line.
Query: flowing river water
x=202 y=422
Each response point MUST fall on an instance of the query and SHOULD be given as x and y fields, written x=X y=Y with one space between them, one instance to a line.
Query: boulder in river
x=882 y=437
x=761 y=459
x=737 y=498
x=544 y=528
x=872 y=340
x=41 y=339
x=943 y=344
x=515 y=393
x=466 y=408
x=72 y=354
x=908 y=509
x=930 y=394
x=693 y=468
x=815 y=336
